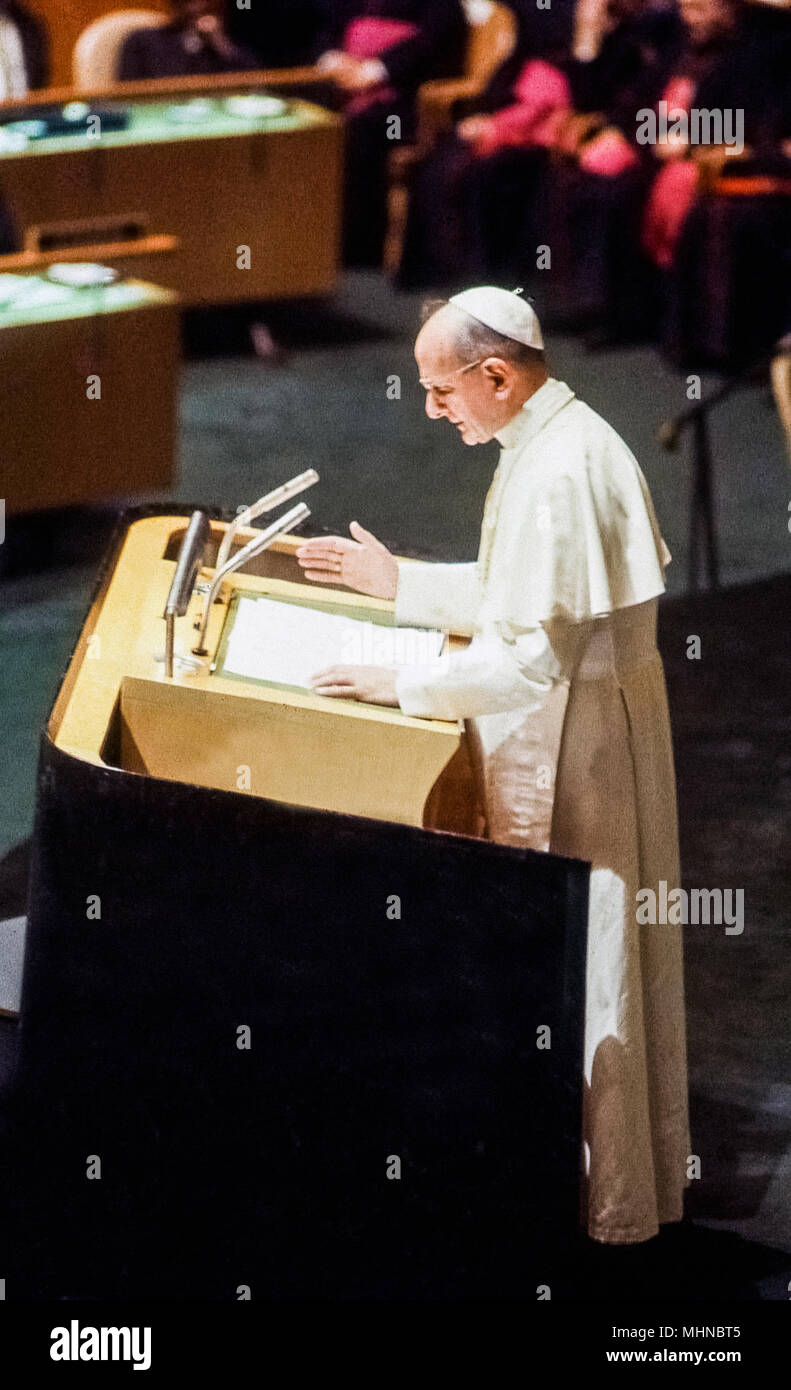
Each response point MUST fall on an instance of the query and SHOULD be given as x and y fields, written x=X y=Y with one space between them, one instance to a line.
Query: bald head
x=475 y=377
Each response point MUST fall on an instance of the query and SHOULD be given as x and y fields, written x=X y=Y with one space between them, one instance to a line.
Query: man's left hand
x=374 y=685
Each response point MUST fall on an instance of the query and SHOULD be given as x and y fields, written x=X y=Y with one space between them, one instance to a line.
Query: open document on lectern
x=287 y=643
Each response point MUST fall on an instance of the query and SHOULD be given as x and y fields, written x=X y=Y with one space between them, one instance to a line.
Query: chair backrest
x=491 y=38
x=95 y=59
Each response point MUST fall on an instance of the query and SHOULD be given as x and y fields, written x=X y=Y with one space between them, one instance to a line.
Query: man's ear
x=499 y=371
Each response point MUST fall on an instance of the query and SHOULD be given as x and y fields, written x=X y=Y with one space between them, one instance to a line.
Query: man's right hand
x=362 y=563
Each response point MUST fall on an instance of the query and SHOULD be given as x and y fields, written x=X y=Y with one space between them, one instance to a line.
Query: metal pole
x=704 y=500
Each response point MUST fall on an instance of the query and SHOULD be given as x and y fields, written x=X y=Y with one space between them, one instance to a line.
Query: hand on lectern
x=362 y=563
x=373 y=685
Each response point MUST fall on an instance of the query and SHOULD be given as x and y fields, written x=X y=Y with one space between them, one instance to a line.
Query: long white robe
x=563 y=696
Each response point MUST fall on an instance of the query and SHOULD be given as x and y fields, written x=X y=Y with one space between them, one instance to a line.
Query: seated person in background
x=377 y=53
x=281 y=33
x=626 y=204
x=591 y=195
x=477 y=207
x=24 y=64
x=24 y=51
x=470 y=199
x=725 y=262
x=195 y=43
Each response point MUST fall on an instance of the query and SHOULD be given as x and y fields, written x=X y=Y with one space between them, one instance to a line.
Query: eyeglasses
x=468 y=366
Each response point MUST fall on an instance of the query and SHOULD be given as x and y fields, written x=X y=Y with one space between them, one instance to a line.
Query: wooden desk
x=117 y=708
x=190 y=170
x=58 y=446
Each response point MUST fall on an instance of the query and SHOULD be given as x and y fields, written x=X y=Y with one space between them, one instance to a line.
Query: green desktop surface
x=35 y=299
x=199 y=118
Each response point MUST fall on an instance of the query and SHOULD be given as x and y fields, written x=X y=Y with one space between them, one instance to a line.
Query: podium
x=289 y=746
x=308 y=1038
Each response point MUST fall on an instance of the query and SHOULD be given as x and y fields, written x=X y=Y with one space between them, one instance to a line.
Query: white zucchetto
x=502 y=310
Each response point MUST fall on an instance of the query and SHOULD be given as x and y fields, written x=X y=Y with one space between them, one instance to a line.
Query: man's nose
x=433 y=409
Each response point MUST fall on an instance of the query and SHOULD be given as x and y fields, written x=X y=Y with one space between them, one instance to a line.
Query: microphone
x=254 y=547
x=267 y=503
x=189 y=562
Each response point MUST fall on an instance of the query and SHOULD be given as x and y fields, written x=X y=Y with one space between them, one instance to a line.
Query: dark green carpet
x=731 y=719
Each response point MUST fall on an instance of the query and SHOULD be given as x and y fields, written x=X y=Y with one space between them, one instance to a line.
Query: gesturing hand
x=362 y=563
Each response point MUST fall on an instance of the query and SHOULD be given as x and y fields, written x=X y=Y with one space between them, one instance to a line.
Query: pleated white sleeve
x=494 y=674
x=444 y=596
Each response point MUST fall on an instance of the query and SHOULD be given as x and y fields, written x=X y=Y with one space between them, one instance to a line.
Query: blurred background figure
x=475 y=205
x=471 y=196
x=617 y=210
x=24 y=64
x=376 y=53
x=195 y=43
x=726 y=258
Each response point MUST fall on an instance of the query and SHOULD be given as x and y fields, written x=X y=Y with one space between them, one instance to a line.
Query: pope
x=562 y=694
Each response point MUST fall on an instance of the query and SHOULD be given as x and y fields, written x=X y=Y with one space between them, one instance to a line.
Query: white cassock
x=563 y=696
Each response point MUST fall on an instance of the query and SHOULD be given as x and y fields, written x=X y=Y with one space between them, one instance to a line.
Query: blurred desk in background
x=61 y=442
x=173 y=186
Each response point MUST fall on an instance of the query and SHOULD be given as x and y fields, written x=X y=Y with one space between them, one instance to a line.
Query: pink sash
x=543 y=100
x=671 y=197
x=679 y=95
x=608 y=155
x=371 y=38
x=674 y=188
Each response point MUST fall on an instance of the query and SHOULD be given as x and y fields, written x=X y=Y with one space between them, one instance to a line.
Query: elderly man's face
x=474 y=397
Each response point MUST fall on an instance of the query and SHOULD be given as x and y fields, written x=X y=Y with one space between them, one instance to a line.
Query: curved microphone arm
x=254 y=547
x=267 y=503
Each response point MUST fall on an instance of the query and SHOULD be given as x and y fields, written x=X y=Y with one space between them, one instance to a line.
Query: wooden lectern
x=303 y=1030
x=289 y=746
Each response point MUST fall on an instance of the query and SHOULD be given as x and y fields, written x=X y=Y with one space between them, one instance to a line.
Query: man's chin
x=469 y=435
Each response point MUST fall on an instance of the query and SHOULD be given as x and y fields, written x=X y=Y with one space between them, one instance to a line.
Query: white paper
x=288 y=643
